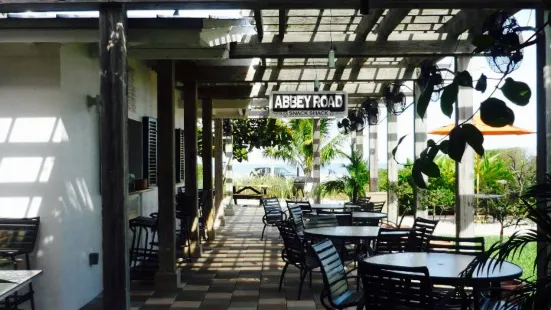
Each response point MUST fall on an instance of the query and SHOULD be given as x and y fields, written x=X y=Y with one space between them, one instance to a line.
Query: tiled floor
x=237 y=271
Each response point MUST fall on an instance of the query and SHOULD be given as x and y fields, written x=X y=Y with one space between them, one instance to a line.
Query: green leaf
x=417 y=174
x=430 y=143
x=495 y=113
x=518 y=92
x=482 y=83
x=474 y=138
x=444 y=146
x=464 y=79
x=457 y=144
x=397 y=145
x=424 y=100
x=429 y=168
x=482 y=42
x=449 y=97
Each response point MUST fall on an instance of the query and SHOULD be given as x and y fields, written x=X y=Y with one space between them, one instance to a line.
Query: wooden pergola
x=237 y=63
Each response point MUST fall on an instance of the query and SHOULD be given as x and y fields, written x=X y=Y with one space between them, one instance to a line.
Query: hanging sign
x=328 y=104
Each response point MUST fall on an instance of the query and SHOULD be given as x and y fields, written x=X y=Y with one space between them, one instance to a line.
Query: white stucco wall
x=49 y=161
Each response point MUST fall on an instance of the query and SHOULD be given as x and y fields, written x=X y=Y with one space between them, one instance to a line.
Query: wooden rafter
x=392 y=19
x=258 y=24
x=282 y=23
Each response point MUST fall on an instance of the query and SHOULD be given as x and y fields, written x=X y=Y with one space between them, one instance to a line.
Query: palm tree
x=355 y=182
x=300 y=152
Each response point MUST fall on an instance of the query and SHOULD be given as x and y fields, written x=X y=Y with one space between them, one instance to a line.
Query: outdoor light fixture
x=371 y=107
x=331 y=59
x=394 y=99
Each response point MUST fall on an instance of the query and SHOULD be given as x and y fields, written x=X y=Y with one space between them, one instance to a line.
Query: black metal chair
x=18 y=238
x=428 y=225
x=377 y=206
x=304 y=205
x=144 y=260
x=326 y=220
x=388 y=241
x=391 y=287
x=272 y=213
x=295 y=213
x=295 y=253
x=335 y=279
x=440 y=244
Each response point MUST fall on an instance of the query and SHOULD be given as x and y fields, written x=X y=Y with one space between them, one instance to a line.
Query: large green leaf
x=429 y=168
x=518 y=92
x=424 y=100
x=397 y=145
x=417 y=174
x=457 y=144
x=449 y=97
x=464 y=79
x=482 y=83
x=444 y=146
x=433 y=152
x=495 y=113
x=474 y=138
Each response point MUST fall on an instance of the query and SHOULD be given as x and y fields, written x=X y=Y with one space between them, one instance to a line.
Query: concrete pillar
x=228 y=148
x=207 y=166
x=317 y=160
x=359 y=146
x=218 y=167
x=353 y=137
x=419 y=144
x=190 y=146
x=392 y=168
x=373 y=160
x=464 y=171
x=167 y=278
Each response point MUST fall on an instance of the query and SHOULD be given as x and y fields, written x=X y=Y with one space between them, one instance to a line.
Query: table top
x=347 y=232
x=446 y=268
x=13 y=280
x=369 y=215
x=332 y=206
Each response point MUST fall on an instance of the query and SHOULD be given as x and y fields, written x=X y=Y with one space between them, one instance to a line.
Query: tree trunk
x=501 y=234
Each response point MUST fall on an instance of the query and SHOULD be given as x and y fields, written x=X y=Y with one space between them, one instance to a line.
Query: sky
x=525 y=117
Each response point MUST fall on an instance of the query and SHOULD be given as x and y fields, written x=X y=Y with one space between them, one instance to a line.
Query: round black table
x=347 y=232
x=446 y=268
x=369 y=215
x=333 y=206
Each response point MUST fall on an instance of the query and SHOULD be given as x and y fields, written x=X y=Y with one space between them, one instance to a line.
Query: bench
x=256 y=194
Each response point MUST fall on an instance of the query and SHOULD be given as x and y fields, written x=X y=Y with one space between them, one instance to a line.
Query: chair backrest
x=428 y=225
x=296 y=215
x=392 y=287
x=19 y=234
x=272 y=210
x=305 y=206
x=362 y=200
x=332 y=270
x=294 y=250
x=377 y=206
x=416 y=241
x=390 y=242
x=441 y=244
x=328 y=220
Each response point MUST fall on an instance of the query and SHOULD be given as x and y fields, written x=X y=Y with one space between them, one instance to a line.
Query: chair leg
x=282 y=275
x=263 y=230
x=310 y=271
x=302 y=277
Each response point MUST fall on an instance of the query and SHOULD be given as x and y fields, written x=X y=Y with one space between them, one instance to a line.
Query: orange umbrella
x=485 y=129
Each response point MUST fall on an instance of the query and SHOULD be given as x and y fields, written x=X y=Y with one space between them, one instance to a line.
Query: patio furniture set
x=366 y=266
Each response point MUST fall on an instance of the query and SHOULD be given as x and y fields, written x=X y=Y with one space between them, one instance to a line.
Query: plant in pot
x=353 y=185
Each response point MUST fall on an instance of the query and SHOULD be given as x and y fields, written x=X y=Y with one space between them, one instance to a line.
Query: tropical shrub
x=278 y=187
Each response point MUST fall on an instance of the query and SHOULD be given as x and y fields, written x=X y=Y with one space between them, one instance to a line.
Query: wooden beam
x=166 y=279
x=114 y=162
x=282 y=22
x=349 y=49
x=258 y=24
x=208 y=211
x=392 y=19
x=218 y=165
x=91 y=5
x=225 y=92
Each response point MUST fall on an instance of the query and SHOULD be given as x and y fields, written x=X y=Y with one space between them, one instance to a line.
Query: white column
x=464 y=171
x=359 y=145
x=419 y=144
x=373 y=161
x=317 y=160
x=228 y=148
x=392 y=168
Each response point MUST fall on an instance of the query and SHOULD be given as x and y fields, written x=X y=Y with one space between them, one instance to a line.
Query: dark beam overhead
x=282 y=23
x=391 y=20
x=90 y=5
x=224 y=91
x=349 y=49
x=258 y=24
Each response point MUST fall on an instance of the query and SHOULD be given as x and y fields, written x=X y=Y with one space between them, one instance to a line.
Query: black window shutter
x=150 y=149
x=180 y=156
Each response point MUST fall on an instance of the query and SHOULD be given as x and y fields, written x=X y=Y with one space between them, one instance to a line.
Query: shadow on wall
x=45 y=173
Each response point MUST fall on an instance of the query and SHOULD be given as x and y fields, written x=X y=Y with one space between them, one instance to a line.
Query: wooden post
x=317 y=160
x=464 y=171
x=114 y=150
x=392 y=168
x=218 y=166
x=419 y=144
x=228 y=148
x=373 y=160
x=167 y=278
x=190 y=145
x=207 y=166
x=543 y=116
